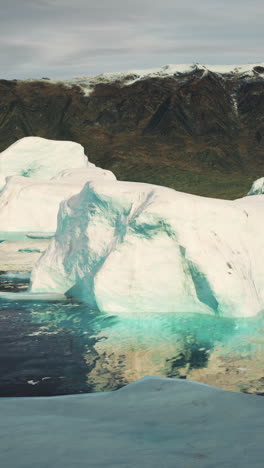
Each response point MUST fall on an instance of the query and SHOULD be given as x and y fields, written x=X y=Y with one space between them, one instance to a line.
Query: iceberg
x=39 y=235
x=31 y=203
x=133 y=248
x=257 y=187
x=24 y=296
x=154 y=422
x=36 y=157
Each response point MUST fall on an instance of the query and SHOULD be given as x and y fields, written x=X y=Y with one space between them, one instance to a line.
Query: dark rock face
x=203 y=124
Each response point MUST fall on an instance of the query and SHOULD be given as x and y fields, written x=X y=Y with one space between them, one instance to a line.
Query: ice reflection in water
x=221 y=352
x=56 y=348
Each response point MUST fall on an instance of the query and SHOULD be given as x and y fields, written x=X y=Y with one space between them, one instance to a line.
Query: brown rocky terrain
x=197 y=132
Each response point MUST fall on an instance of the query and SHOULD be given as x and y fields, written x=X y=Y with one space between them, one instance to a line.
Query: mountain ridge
x=189 y=128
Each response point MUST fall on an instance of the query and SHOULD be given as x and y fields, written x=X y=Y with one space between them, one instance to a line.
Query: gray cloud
x=64 y=38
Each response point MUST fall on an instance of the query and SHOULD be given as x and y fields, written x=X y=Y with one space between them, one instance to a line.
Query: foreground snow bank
x=126 y=247
x=153 y=422
x=40 y=158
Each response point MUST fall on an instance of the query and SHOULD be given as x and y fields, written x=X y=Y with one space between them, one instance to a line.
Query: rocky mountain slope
x=194 y=128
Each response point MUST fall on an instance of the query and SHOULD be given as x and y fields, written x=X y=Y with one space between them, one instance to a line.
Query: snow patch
x=235 y=104
x=31 y=204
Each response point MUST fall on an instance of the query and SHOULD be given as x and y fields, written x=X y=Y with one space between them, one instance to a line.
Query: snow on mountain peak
x=87 y=83
x=129 y=77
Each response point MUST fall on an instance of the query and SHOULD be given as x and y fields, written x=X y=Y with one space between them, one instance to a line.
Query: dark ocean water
x=55 y=348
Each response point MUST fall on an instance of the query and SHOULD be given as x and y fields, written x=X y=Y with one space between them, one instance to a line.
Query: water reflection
x=57 y=348
x=222 y=352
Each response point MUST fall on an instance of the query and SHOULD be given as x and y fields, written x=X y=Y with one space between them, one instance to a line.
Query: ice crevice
x=202 y=287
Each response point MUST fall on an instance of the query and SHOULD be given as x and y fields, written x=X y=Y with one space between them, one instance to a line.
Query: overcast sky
x=69 y=38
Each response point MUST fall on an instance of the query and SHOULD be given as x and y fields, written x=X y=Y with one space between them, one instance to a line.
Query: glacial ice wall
x=128 y=248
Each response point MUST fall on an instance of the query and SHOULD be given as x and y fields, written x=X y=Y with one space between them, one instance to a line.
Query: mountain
x=195 y=128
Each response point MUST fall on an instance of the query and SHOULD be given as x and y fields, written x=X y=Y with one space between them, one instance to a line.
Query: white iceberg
x=257 y=187
x=128 y=248
x=40 y=158
x=31 y=203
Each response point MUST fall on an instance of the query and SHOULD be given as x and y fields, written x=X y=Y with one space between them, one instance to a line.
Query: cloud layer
x=66 y=38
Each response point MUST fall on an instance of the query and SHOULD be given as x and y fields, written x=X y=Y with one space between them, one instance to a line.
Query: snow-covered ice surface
x=40 y=158
x=154 y=422
x=128 y=248
x=83 y=175
x=24 y=296
x=31 y=202
x=257 y=187
x=126 y=78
